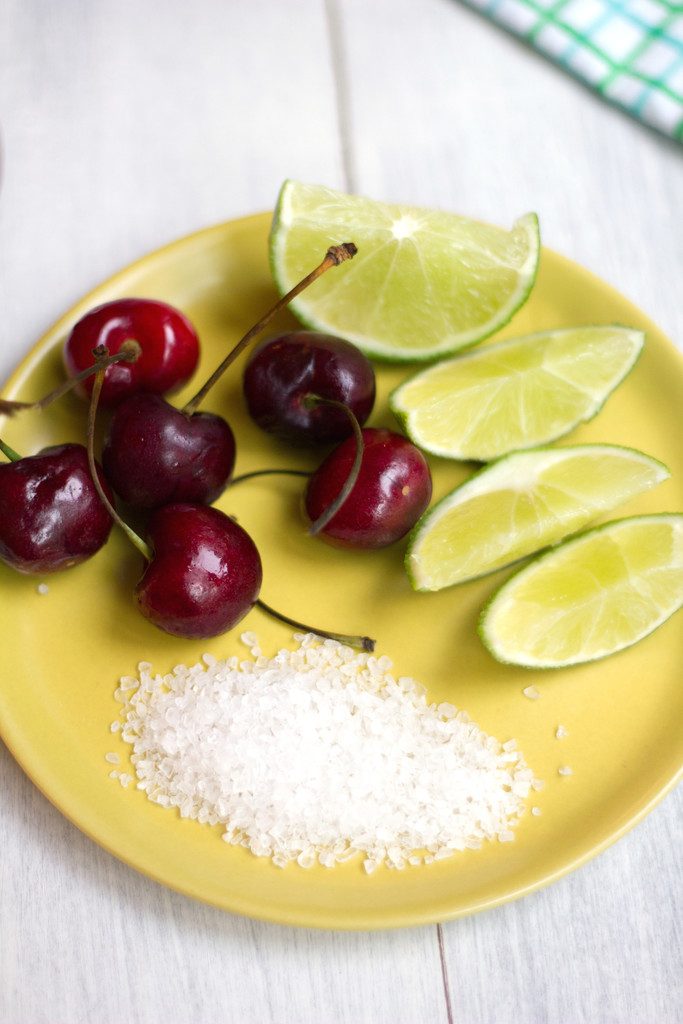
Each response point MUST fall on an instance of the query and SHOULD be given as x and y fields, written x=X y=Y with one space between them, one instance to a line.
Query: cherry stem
x=362 y=643
x=330 y=512
x=9 y=452
x=335 y=255
x=128 y=353
x=139 y=543
x=269 y=472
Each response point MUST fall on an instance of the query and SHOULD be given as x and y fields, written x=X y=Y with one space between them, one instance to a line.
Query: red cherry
x=391 y=493
x=168 y=342
x=205 y=573
x=154 y=454
x=285 y=371
x=51 y=516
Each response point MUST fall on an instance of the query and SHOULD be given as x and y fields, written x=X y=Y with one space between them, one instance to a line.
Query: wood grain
x=126 y=124
x=446 y=110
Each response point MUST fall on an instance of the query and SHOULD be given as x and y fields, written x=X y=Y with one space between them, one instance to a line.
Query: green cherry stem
x=330 y=512
x=9 y=452
x=139 y=543
x=362 y=643
x=269 y=472
x=128 y=353
x=335 y=255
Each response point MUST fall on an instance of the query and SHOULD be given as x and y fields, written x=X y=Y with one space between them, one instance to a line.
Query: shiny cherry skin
x=51 y=516
x=168 y=342
x=283 y=371
x=391 y=493
x=205 y=573
x=154 y=454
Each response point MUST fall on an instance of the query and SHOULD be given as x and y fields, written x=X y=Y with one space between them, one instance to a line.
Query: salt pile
x=318 y=755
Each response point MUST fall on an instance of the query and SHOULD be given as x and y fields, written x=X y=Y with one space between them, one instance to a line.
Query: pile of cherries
x=203 y=572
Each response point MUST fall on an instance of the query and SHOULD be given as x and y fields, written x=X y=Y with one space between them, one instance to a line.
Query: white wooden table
x=126 y=123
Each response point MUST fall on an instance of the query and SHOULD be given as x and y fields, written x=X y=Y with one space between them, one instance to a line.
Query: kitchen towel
x=630 y=51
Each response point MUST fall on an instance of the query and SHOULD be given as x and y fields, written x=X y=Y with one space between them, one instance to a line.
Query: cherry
x=168 y=342
x=204 y=575
x=51 y=516
x=392 y=491
x=154 y=454
x=284 y=371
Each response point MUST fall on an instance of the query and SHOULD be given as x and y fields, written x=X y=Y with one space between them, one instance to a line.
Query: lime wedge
x=424 y=283
x=521 y=504
x=590 y=597
x=515 y=394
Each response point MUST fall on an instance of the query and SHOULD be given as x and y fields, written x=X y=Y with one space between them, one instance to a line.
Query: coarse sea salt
x=318 y=755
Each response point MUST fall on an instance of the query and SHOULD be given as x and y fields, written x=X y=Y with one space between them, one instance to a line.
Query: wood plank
x=124 y=126
x=445 y=110
x=599 y=947
x=86 y=940
x=127 y=125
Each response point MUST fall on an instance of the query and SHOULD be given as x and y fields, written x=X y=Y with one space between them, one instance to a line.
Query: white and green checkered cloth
x=631 y=51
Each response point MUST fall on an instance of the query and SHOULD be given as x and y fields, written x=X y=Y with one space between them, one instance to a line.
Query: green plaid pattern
x=631 y=51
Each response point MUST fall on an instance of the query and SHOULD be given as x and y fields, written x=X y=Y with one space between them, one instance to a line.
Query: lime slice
x=592 y=596
x=424 y=283
x=521 y=504
x=515 y=394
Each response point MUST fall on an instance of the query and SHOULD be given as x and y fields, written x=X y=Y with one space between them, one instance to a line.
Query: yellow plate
x=63 y=652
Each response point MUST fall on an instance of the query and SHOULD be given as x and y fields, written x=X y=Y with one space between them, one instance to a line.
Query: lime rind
x=379 y=349
x=406 y=417
x=493 y=473
x=545 y=558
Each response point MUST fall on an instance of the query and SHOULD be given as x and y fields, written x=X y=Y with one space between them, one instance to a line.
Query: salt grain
x=531 y=692
x=320 y=755
x=112 y=758
x=42 y=588
x=565 y=770
x=560 y=732
x=536 y=811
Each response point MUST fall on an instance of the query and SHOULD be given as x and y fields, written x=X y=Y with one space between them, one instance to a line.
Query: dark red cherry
x=391 y=493
x=154 y=454
x=205 y=573
x=169 y=344
x=50 y=514
x=284 y=371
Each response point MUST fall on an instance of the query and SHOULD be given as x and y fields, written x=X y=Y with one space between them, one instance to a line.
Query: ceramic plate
x=64 y=651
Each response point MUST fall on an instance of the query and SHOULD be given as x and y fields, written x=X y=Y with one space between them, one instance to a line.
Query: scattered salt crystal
x=565 y=770
x=536 y=811
x=115 y=726
x=319 y=755
x=537 y=784
x=112 y=758
x=561 y=732
x=531 y=692
x=114 y=775
x=42 y=588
